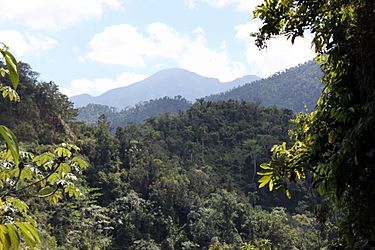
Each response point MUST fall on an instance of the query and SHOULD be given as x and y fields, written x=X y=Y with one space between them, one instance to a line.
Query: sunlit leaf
x=11 y=142
x=43 y=158
x=264 y=180
x=79 y=162
x=53 y=178
x=288 y=194
x=72 y=191
x=63 y=152
x=13 y=235
x=270 y=185
x=12 y=67
x=33 y=231
x=18 y=204
x=64 y=168
x=266 y=166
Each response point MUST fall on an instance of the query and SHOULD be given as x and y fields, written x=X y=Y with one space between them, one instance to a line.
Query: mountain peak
x=169 y=82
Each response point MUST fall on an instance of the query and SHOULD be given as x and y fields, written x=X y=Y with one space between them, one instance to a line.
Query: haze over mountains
x=168 y=82
x=292 y=89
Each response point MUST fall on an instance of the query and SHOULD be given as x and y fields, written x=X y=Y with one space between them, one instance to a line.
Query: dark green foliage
x=137 y=114
x=24 y=176
x=43 y=113
x=293 y=89
x=335 y=142
x=91 y=112
x=189 y=180
x=178 y=181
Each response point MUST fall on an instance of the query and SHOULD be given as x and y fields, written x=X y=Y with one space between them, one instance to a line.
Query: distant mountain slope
x=168 y=82
x=82 y=100
x=137 y=114
x=91 y=112
x=292 y=89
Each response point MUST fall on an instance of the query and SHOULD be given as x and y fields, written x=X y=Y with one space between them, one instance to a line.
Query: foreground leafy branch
x=335 y=142
x=22 y=175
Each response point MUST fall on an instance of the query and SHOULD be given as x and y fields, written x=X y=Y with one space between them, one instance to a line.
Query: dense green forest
x=178 y=181
x=190 y=180
x=137 y=114
x=293 y=89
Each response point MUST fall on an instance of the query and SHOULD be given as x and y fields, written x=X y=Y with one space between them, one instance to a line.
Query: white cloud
x=280 y=53
x=53 y=15
x=191 y=4
x=26 y=44
x=240 y=5
x=125 y=45
x=100 y=85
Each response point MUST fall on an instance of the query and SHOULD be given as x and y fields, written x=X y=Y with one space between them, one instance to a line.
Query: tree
x=336 y=141
x=25 y=176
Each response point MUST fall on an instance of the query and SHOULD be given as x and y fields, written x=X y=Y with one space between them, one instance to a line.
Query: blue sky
x=90 y=46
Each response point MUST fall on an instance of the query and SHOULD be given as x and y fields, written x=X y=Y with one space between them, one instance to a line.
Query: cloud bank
x=54 y=15
x=279 y=55
x=125 y=45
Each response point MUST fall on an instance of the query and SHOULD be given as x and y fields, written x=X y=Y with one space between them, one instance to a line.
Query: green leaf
x=63 y=152
x=7 y=91
x=13 y=235
x=72 y=190
x=33 y=231
x=11 y=142
x=4 y=238
x=65 y=168
x=3 y=72
x=55 y=197
x=264 y=173
x=79 y=162
x=53 y=178
x=266 y=166
x=12 y=67
x=264 y=180
x=18 y=204
x=46 y=191
x=43 y=158
x=271 y=185
x=30 y=241
x=288 y=194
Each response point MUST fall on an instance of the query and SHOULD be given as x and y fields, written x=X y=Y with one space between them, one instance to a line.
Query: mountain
x=82 y=100
x=292 y=89
x=168 y=82
x=137 y=114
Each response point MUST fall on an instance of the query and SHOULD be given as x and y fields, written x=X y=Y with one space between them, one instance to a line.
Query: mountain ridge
x=168 y=82
x=294 y=88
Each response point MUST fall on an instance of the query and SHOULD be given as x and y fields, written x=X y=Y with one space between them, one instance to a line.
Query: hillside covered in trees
x=178 y=181
x=293 y=89
x=137 y=114
x=199 y=178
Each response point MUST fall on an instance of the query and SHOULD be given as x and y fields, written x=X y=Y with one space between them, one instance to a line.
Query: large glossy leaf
x=12 y=67
x=11 y=142
x=264 y=180
x=13 y=235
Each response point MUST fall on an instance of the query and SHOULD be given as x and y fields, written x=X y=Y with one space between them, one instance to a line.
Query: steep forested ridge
x=187 y=180
x=178 y=181
x=137 y=114
x=43 y=113
x=292 y=89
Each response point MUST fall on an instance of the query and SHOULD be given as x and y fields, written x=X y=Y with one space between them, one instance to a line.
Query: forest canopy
x=190 y=180
x=335 y=142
